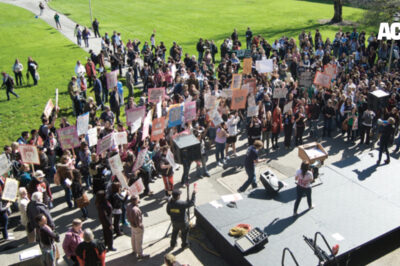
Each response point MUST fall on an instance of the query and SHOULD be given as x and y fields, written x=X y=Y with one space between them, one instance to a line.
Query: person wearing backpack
x=8 y=82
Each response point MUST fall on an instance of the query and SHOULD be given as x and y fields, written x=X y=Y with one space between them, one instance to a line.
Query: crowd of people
x=361 y=67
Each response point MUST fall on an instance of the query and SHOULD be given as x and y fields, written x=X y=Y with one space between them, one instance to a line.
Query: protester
x=47 y=239
x=36 y=207
x=23 y=202
x=95 y=26
x=249 y=164
x=57 y=20
x=117 y=199
x=72 y=239
x=303 y=177
x=104 y=210
x=90 y=251
x=33 y=70
x=386 y=137
x=4 y=212
x=78 y=193
x=17 y=69
x=135 y=219
x=8 y=82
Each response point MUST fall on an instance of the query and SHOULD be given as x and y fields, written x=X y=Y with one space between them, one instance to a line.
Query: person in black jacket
x=78 y=190
x=4 y=217
x=96 y=168
x=176 y=209
x=104 y=210
x=35 y=207
x=200 y=49
x=90 y=252
x=386 y=137
x=47 y=237
x=32 y=69
x=8 y=82
x=117 y=199
x=328 y=112
x=315 y=111
x=95 y=26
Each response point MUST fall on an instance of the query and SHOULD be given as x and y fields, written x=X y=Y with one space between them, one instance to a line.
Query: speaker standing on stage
x=303 y=177
x=176 y=208
x=386 y=137
x=250 y=165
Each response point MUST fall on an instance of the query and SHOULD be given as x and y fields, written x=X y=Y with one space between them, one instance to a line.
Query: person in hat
x=135 y=218
x=176 y=209
x=40 y=184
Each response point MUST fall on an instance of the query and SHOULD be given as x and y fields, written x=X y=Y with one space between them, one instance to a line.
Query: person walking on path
x=78 y=35
x=135 y=218
x=250 y=165
x=8 y=82
x=85 y=36
x=95 y=26
x=303 y=177
x=57 y=20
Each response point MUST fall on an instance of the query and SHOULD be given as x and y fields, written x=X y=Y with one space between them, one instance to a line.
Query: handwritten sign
x=209 y=101
x=251 y=85
x=140 y=159
x=68 y=137
x=155 y=94
x=136 y=188
x=48 y=108
x=157 y=129
x=265 y=66
x=105 y=143
x=92 y=136
x=305 y=79
x=330 y=70
x=175 y=115
x=146 y=125
x=171 y=160
x=115 y=164
x=247 y=64
x=216 y=117
x=239 y=99
x=4 y=164
x=29 y=154
x=190 y=111
x=280 y=92
x=134 y=117
x=251 y=100
x=287 y=107
x=112 y=79
x=236 y=81
x=10 y=190
x=226 y=93
x=82 y=124
x=120 y=138
x=252 y=111
x=322 y=79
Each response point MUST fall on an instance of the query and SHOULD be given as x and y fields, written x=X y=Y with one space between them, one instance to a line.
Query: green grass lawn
x=23 y=36
x=185 y=21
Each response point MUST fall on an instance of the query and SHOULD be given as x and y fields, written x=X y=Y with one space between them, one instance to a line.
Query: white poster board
x=121 y=138
x=92 y=136
x=10 y=190
x=29 y=154
x=136 y=188
x=4 y=164
x=265 y=66
x=82 y=124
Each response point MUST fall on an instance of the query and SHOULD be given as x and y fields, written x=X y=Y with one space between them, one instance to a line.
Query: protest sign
x=251 y=100
x=121 y=138
x=171 y=160
x=287 y=107
x=190 y=111
x=136 y=188
x=68 y=137
x=251 y=85
x=305 y=79
x=265 y=66
x=159 y=108
x=82 y=124
x=330 y=70
x=155 y=94
x=252 y=111
x=105 y=143
x=175 y=115
x=236 y=81
x=134 y=117
x=4 y=164
x=226 y=93
x=112 y=79
x=146 y=124
x=209 y=101
x=48 y=108
x=157 y=129
x=140 y=159
x=322 y=79
x=247 y=64
x=115 y=164
x=10 y=190
x=239 y=99
x=280 y=91
x=242 y=53
x=29 y=154
x=56 y=97
x=216 y=118
x=92 y=136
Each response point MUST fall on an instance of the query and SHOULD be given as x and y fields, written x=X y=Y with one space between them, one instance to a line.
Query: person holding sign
x=4 y=210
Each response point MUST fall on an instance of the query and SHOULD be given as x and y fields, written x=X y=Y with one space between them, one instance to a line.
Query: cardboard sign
x=48 y=108
x=29 y=154
x=68 y=137
x=190 y=111
x=175 y=115
x=239 y=99
x=306 y=79
x=140 y=159
x=330 y=70
x=82 y=124
x=247 y=64
x=157 y=129
x=322 y=79
x=4 y=164
x=121 y=138
x=226 y=93
x=10 y=190
x=252 y=111
x=134 y=117
x=92 y=136
x=251 y=85
x=280 y=92
x=209 y=101
x=287 y=107
x=146 y=125
x=56 y=97
x=251 y=100
x=155 y=94
x=105 y=143
x=115 y=164
x=265 y=66
x=236 y=81
x=112 y=79
x=136 y=188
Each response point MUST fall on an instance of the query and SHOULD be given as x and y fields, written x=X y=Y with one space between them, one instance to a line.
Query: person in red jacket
x=90 y=71
x=276 y=126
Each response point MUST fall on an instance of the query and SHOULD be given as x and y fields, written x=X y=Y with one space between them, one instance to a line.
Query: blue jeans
x=84 y=212
x=88 y=181
x=251 y=180
x=203 y=166
x=68 y=195
x=300 y=192
x=4 y=223
x=219 y=151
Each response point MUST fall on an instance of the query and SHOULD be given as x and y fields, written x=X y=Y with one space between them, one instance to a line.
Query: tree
x=377 y=10
x=337 y=17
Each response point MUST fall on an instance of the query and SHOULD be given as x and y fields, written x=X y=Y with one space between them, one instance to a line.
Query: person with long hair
x=104 y=210
x=78 y=190
x=304 y=177
x=276 y=126
x=288 y=122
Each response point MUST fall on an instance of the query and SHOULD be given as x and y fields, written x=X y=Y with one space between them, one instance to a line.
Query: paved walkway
x=67 y=24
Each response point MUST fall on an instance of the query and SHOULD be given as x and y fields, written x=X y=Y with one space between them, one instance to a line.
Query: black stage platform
x=357 y=204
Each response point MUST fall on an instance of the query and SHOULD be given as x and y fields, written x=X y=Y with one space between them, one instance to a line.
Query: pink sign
x=140 y=160
x=155 y=94
x=49 y=108
x=105 y=143
x=68 y=137
x=112 y=79
x=146 y=124
x=29 y=154
x=190 y=111
x=137 y=187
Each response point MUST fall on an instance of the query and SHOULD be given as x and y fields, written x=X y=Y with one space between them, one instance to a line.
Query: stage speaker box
x=186 y=147
x=271 y=183
x=377 y=100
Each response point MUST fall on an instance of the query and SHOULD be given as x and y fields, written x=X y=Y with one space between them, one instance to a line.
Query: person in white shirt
x=17 y=69
x=23 y=205
x=232 y=122
x=304 y=177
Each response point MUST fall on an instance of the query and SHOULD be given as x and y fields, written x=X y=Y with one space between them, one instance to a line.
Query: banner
x=68 y=137
x=134 y=117
x=10 y=190
x=330 y=70
x=226 y=93
x=48 y=108
x=252 y=111
x=121 y=138
x=175 y=115
x=4 y=164
x=92 y=136
x=140 y=159
x=280 y=92
x=112 y=79
x=265 y=66
x=105 y=143
x=82 y=124
x=305 y=79
x=247 y=64
x=136 y=188
x=236 y=81
x=157 y=129
x=322 y=79
x=239 y=99
x=146 y=124
x=29 y=154
x=209 y=101
x=155 y=94
x=190 y=111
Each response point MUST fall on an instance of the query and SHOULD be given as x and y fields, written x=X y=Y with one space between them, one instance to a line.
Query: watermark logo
x=389 y=32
